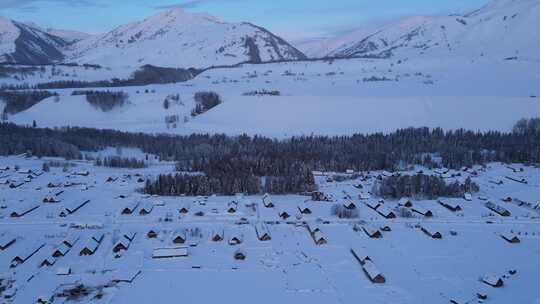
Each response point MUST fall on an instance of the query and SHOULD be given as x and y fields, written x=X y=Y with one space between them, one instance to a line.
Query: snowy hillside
x=68 y=35
x=25 y=44
x=332 y=97
x=502 y=29
x=179 y=39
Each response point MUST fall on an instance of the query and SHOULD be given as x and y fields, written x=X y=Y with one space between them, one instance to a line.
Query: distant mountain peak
x=176 y=38
x=500 y=29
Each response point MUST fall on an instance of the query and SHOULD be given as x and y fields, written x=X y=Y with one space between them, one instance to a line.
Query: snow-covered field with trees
x=263 y=248
x=321 y=97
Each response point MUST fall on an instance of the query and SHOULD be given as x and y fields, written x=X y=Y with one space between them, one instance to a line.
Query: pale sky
x=292 y=19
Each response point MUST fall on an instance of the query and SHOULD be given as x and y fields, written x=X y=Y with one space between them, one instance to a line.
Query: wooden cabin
x=6 y=241
x=511 y=238
x=232 y=207
x=48 y=261
x=72 y=208
x=126 y=276
x=372 y=232
x=130 y=208
x=373 y=204
x=89 y=248
x=284 y=214
x=235 y=239
x=373 y=274
x=497 y=209
x=146 y=208
x=267 y=203
x=152 y=234
x=385 y=212
x=25 y=255
x=240 y=255
x=431 y=233
x=319 y=238
x=450 y=205
x=493 y=281
x=122 y=245
x=23 y=210
x=184 y=209
x=50 y=200
x=262 y=232
x=218 y=236
x=179 y=237
x=304 y=209
x=16 y=184
x=349 y=205
x=61 y=250
x=71 y=240
x=360 y=255
x=517 y=179
x=63 y=271
x=405 y=202
x=422 y=211
x=98 y=237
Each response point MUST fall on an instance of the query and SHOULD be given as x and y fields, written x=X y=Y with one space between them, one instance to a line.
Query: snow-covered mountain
x=175 y=38
x=26 y=44
x=501 y=29
x=68 y=35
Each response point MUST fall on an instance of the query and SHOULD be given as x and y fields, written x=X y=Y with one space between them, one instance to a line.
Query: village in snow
x=367 y=156
x=85 y=234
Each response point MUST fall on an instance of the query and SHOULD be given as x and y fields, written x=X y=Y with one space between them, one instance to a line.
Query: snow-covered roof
x=171 y=252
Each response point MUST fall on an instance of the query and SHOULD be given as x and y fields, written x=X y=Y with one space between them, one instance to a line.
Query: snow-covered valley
x=398 y=163
x=290 y=264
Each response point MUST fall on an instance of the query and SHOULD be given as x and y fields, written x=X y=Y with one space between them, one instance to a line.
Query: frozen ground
x=288 y=268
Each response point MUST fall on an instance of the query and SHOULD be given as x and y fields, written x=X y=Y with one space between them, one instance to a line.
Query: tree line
x=422 y=186
x=147 y=74
x=205 y=101
x=120 y=162
x=104 y=100
x=16 y=102
x=281 y=166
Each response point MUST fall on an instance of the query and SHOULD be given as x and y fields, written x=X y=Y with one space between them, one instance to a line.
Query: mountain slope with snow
x=178 y=39
x=501 y=29
x=68 y=35
x=25 y=44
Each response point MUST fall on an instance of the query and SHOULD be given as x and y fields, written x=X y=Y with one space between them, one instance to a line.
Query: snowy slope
x=178 y=39
x=68 y=35
x=321 y=97
x=501 y=29
x=25 y=44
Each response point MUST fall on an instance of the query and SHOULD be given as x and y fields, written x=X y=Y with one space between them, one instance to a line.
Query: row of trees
x=120 y=162
x=146 y=75
x=423 y=186
x=204 y=101
x=281 y=165
x=104 y=100
x=16 y=102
